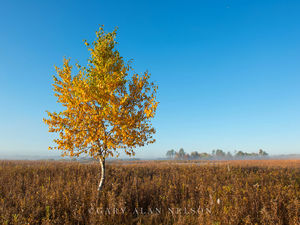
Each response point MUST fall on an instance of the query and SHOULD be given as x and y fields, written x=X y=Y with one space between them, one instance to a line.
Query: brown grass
x=222 y=192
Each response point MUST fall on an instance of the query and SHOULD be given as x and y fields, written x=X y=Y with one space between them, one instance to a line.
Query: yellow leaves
x=86 y=43
x=147 y=112
x=104 y=108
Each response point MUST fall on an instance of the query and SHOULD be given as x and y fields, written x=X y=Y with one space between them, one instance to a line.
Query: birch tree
x=108 y=107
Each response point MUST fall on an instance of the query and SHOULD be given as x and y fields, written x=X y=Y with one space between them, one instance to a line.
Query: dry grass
x=223 y=192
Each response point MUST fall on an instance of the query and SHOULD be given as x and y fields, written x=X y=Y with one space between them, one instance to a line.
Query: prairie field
x=151 y=192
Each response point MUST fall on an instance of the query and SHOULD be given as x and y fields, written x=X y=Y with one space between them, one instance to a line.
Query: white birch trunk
x=102 y=164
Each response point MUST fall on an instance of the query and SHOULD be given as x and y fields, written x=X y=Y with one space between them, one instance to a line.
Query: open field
x=151 y=192
x=245 y=163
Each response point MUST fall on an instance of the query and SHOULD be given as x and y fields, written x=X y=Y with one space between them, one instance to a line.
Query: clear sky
x=228 y=71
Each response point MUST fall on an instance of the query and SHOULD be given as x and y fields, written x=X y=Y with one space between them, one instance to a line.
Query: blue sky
x=228 y=71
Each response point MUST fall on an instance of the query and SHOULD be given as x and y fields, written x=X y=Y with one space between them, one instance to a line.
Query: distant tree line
x=215 y=154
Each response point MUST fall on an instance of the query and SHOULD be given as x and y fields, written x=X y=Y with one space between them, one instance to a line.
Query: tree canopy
x=107 y=106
